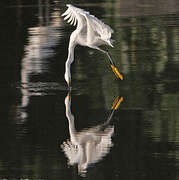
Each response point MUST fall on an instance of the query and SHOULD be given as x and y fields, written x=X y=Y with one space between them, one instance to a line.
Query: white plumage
x=87 y=23
x=89 y=145
x=90 y=32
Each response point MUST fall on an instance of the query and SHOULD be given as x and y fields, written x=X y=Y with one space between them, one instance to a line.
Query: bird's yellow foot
x=116 y=72
x=117 y=102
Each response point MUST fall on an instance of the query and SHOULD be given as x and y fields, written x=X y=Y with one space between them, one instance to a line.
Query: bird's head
x=68 y=78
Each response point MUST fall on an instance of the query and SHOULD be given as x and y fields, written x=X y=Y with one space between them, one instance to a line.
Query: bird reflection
x=88 y=146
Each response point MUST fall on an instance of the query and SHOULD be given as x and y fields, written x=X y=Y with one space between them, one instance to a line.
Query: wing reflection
x=89 y=145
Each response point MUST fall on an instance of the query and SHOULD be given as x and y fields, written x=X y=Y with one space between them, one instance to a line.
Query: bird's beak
x=68 y=99
x=116 y=72
x=69 y=85
x=68 y=96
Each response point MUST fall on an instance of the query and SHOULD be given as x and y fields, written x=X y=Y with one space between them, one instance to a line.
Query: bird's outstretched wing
x=71 y=152
x=101 y=149
x=74 y=14
x=79 y=16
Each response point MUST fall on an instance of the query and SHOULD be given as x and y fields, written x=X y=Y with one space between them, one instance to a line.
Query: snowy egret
x=90 y=32
x=88 y=146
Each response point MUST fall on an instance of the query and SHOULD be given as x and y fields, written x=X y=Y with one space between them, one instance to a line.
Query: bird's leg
x=107 y=53
x=114 y=107
x=114 y=68
x=110 y=59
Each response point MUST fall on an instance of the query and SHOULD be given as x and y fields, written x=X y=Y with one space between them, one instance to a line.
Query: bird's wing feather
x=103 y=147
x=74 y=14
x=102 y=29
x=77 y=15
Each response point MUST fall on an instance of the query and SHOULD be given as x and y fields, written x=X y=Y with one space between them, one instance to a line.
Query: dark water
x=33 y=123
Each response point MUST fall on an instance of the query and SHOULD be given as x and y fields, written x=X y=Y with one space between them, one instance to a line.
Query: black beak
x=69 y=87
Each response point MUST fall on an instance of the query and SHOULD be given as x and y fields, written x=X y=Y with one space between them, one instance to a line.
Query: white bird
x=89 y=145
x=90 y=32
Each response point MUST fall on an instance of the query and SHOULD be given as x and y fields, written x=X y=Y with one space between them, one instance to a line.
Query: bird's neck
x=70 y=58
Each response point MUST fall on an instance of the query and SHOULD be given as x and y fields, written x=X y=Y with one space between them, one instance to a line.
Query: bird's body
x=87 y=146
x=90 y=32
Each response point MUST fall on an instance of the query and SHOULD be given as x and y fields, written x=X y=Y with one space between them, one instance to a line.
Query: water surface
x=33 y=122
